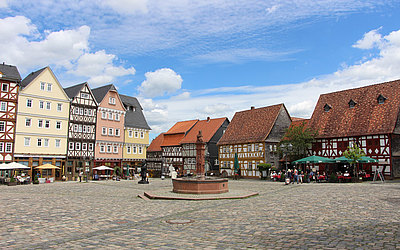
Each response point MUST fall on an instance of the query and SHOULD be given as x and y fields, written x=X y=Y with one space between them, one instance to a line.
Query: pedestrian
x=80 y=176
x=295 y=176
x=289 y=175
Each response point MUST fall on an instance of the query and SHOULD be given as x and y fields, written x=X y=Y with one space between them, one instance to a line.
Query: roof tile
x=208 y=129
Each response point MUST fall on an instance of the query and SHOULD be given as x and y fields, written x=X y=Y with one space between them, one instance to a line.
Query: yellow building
x=136 y=134
x=42 y=122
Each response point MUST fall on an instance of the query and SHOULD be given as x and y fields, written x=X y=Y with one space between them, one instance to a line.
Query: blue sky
x=192 y=59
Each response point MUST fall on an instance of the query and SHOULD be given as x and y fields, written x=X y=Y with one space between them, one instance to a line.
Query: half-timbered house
x=172 y=148
x=81 y=130
x=154 y=158
x=109 y=127
x=42 y=122
x=366 y=116
x=9 y=84
x=254 y=135
x=212 y=130
x=136 y=134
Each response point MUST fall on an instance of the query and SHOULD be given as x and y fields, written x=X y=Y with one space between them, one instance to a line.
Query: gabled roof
x=10 y=72
x=182 y=127
x=299 y=121
x=134 y=118
x=29 y=78
x=367 y=117
x=252 y=125
x=155 y=144
x=208 y=129
x=100 y=92
x=74 y=90
x=172 y=139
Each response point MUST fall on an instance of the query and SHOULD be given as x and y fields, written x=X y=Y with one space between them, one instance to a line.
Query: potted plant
x=12 y=182
x=36 y=180
x=264 y=169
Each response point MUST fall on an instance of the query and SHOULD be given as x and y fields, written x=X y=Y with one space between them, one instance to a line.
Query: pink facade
x=110 y=130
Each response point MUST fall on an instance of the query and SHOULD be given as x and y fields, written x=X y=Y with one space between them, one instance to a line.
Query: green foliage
x=263 y=166
x=296 y=141
x=354 y=153
x=35 y=180
x=12 y=179
x=333 y=178
x=117 y=171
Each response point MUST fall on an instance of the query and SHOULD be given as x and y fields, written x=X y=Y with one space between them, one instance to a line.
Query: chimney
x=252 y=107
x=208 y=119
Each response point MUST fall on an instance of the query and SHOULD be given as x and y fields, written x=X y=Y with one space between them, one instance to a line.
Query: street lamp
x=286 y=148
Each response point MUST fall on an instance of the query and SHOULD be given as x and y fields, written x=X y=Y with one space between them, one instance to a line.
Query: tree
x=354 y=153
x=296 y=141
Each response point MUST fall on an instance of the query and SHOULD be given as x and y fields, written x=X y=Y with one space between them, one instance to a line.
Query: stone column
x=200 y=151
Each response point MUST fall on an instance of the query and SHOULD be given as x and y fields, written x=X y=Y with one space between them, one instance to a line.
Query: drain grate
x=180 y=221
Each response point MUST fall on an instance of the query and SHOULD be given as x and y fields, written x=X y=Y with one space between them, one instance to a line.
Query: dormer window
x=352 y=104
x=327 y=108
x=381 y=99
x=131 y=108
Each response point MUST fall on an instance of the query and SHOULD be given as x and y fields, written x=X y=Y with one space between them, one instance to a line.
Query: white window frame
x=81 y=111
x=71 y=146
x=103 y=115
x=8 y=147
x=78 y=146
x=117 y=133
x=128 y=150
x=58 y=143
x=136 y=134
x=109 y=149
x=29 y=103
x=58 y=125
x=59 y=107
x=134 y=150
x=140 y=150
x=130 y=133
x=3 y=106
x=110 y=116
x=141 y=135
x=48 y=105
x=45 y=124
x=84 y=146
x=117 y=117
x=90 y=146
x=46 y=142
x=27 y=141
x=110 y=132
x=40 y=121
x=41 y=104
x=28 y=122
x=2 y=87
x=104 y=130
x=102 y=149
x=39 y=142
x=115 y=149
x=42 y=86
x=80 y=128
x=75 y=127
x=49 y=87
x=1 y=147
x=2 y=126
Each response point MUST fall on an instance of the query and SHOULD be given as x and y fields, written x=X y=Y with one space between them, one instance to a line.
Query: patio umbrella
x=343 y=159
x=103 y=168
x=236 y=164
x=313 y=159
x=47 y=166
x=366 y=159
x=16 y=165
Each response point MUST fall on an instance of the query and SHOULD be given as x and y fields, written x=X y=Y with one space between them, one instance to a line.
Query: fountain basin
x=200 y=186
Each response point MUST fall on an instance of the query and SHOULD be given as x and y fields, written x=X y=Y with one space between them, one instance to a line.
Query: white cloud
x=184 y=95
x=99 y=68
x=369 y=40
x=3 y=4
x=272 y=9
x=127 y=6
x=219 y=109
x=160 y=82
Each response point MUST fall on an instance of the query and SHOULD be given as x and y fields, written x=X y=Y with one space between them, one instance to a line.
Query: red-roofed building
x=254 y=135
x=171 y=145
x=154 y=155
x=367 y=116
x=212 y=130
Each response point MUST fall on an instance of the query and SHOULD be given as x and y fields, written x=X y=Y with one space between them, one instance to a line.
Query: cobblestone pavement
x=109 y=215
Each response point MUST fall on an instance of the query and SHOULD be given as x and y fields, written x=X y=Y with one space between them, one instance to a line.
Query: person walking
x=80 y=176
x=295 y=176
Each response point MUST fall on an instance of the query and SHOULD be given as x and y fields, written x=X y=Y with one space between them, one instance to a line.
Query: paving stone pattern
x=109 y=214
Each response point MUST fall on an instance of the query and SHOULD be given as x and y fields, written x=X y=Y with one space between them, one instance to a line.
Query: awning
x=47 y=166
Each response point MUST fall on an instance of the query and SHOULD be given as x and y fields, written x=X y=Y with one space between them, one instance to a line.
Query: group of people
x=299 y=176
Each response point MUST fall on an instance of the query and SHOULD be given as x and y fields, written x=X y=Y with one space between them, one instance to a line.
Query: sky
x=193 y=59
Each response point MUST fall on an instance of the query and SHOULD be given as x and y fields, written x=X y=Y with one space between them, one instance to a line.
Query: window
x=40 y=123
x=142 y=135
x=4 y=87
x=58 y=125
x=381 y=99
x=58 y=143
x=108 y=148
x=140 y=150
x=102 y=149
x=128 y=150
x=88 y=129
x=3 y=106
x=103 y=115
x=48 y=105
x=2 y=126
x=80 y=128
x=75 y=128
x=27 y=141
x=59 y=106
x=327 y=108
x=134 y=150
x=90 y=146
x=84 y=95
x=81 y=111
x=41 y=104
x=117 y=117
x=84 y=146
x=42 y=85
x=39 y=142
x=28 y=122
x=352 y=104
x=104 y=131
x=115 y=149
x=136 y=134
x=29 y=103
x=117 y=132
x=110 y=115
x=1 y=146
x=85 y=112
x=78 y=146
x=84 y=129
x=71 y=146
x=49 y=85
x=46 y=142
x=130 y=133
x=110 y=131
x=111 y=100
x=47 y=124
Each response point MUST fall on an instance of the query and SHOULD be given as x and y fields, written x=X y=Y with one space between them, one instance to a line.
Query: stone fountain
x=200 y=184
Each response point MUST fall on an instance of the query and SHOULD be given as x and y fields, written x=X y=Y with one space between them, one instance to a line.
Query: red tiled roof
x=294 y=119
x=172 y=139
x=252 y=125
x=299 y=121
x=182 y=127
x=366 y=118
x=208 y=129
x=155 y=144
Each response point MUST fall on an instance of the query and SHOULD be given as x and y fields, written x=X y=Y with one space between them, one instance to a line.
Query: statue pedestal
x=200 y=186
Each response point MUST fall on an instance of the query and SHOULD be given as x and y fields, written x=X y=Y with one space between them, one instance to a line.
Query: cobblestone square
x=108 y=214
